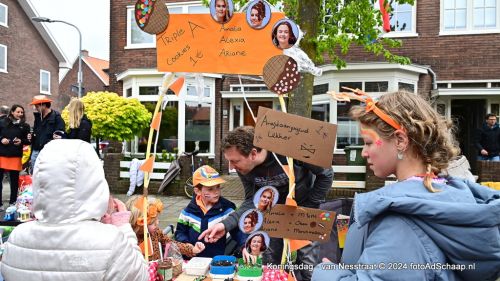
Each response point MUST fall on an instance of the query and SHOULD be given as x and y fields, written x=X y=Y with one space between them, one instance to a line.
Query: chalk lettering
x=194 y=26
x=230 y=40
x=178 y=55
x=227 y=53
x=173 y=37
x=230 y=28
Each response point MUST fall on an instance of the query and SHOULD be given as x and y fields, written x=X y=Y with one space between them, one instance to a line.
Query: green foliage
x=113 y=117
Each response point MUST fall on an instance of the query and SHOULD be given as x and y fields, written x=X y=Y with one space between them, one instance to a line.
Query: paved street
x=233 y=190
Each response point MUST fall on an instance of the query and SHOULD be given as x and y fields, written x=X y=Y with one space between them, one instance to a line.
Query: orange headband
x=154 y=208
x=371 y=105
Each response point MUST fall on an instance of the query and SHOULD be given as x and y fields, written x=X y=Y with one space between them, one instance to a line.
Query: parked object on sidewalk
x=173 y=171
x=460 y=168
x=136 y=175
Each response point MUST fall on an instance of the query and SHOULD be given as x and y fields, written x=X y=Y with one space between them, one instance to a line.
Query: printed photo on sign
x=251 y=221
x=221 y=10
x=285 y=34
x=258 y=14
x=257 y=243
x=265 y=198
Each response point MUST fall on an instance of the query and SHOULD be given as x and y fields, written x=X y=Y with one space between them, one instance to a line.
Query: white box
x=197 y=266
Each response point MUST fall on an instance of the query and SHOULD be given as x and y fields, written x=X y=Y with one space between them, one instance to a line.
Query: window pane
x=191 y=91
x=138 y=36
x=3 y=62
x=45 y=81
x=490 y=3
x=449 y=4
x=168 y=128
x=460 y=4
x=404 y=21
x=352 y=85
x=406 y=87
x=382 y=86
x=478 y=3
x=128 y=92
x=198 y=10
x=449 y=19
x=490 y=17
x=197 y=127
x=148 y=91
x=3 y=14
x=320 y=89
x=236 y=115
x=347 y=130
x=176 y=10
x=460 y=18
x=321 y=112
x=478 y=17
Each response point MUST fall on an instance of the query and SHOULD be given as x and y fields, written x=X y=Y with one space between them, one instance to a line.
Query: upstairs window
x=44 y=81
x=136 y=38
x=3 y=58
x=469 y=16
x=4 y=15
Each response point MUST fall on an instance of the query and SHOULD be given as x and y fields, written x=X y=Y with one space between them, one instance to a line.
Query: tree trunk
x=308 y=16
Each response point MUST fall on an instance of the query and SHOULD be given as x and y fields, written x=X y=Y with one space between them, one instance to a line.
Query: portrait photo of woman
x=250 y=221
x=265 y=198
x=221 y=10
x=257 y=243
x=258 y=14
x=285 y=34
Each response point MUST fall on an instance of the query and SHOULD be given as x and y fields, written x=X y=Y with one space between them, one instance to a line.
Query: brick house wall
x=452 y=57
x=27 y=54
x=91 y=83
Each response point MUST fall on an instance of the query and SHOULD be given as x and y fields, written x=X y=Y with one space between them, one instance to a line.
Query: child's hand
x=198 y=248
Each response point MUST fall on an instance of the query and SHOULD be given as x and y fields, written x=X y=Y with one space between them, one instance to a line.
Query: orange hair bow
x=154 y=209
x=371 y=105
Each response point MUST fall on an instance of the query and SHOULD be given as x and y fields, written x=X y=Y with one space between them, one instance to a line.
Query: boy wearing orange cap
x=207 y=208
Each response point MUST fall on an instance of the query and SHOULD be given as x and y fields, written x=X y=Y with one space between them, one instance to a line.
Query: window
x=352 y=85
x=168 y=137
x=136 y=38
x=347 y=129
x=469 y=16
x=249 y=88
x=406 y=87
x=3 y=58
x=128 y=93
x=320 y=89
x=321 y=112
x=187 y=9
x=375 y=87
x=197 y=127
x=148 y=91
x=191 y=91
x=44 y=82
x=4 y=15
x=402 y=18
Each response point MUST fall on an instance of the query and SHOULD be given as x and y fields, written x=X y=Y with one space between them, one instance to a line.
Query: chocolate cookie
x=281 y=74
x=151 y=15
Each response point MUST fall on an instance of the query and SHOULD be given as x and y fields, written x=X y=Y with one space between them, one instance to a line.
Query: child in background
x=207 y=208
x=155 y=207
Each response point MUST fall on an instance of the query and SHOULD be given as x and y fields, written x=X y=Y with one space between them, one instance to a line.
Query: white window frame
x=130 y=45
x=185 y=6
x=409 y=33
x=42 y=72
x=136 y=82
x=4 y=68
x=469 y=24
x=6 y=22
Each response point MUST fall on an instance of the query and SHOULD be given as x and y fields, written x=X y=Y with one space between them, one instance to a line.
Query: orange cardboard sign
x=196 y=43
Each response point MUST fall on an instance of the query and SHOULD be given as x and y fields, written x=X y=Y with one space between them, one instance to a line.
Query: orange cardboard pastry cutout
x=298 y=244
x=177 y=85
x=147 y=166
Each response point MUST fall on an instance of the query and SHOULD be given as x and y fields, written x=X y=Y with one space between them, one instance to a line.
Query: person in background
x=488 y=139
x=14 y=133
x=80 y=127
x=48 y=125
x=82 y=234
x=423 y=227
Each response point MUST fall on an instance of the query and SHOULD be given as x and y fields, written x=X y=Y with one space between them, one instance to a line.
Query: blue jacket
x=192 y=222
x=402 y=227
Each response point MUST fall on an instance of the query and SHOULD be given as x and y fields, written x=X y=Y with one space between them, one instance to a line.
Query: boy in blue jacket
x=206 y=208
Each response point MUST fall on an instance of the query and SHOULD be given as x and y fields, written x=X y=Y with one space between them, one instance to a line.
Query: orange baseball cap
x=207 y=176
x=40 y=99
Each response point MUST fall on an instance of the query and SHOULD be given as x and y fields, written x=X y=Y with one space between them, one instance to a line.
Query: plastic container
x=245 y=271
x=228 y=269
x=197 y=266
